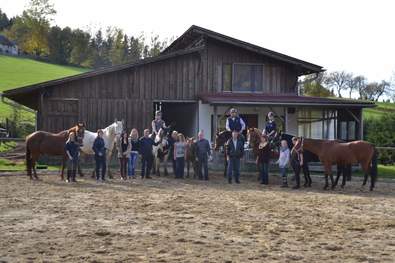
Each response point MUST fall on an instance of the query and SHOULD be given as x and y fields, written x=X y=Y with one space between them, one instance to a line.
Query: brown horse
x=45 y=143
x=220 y=140
x=333 y=152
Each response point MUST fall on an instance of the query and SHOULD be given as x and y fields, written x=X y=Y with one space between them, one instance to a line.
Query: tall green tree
x=80 y=51
x=59 y=44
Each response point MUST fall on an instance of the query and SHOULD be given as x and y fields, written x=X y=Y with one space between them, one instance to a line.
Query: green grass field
x=18 y=72
x=381 y=109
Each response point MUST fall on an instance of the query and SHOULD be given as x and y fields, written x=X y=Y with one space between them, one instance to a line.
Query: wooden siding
x=277 y=78
x=127 y=94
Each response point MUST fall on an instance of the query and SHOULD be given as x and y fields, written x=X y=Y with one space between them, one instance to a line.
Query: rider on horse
x=158 y=123
x=271 y=128
x=235 y=123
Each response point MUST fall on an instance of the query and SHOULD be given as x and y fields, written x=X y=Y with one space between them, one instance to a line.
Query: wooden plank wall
x=278 y=78
x=129 y=94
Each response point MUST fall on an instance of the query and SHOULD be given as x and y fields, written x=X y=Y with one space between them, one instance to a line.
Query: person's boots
x=68 y=176
x=73 y=175
x=297 y=179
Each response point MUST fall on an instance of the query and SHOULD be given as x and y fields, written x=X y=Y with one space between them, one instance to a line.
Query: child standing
x=283 y=161
x=179 y=155
x=73 y=151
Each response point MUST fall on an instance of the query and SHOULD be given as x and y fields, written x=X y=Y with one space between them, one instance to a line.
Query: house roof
x=31 y=88
x=194 y=33
x=283 y=100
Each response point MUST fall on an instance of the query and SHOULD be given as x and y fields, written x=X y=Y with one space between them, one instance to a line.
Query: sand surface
x=168 y=220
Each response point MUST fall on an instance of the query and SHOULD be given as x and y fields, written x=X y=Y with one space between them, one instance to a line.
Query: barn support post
x=215 y=127
x=361 y=125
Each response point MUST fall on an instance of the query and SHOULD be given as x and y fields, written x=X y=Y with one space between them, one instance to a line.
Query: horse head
x=117 y=127
x=253 y=137
x=78 y=130
x=221 y=138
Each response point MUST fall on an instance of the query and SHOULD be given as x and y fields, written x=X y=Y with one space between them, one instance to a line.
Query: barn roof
x=194 y=34
x=283 y=100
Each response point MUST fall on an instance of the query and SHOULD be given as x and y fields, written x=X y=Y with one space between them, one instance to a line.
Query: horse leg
x=345 y=176
x=225 y=168
x=62 y=169
x=108 y=162
x=34 y=168
x=332 y=181
x=165 y=164
x=80 y=170
x=339 y=172
x=188 y=165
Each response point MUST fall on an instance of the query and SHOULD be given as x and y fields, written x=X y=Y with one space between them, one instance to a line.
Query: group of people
x=131 y=146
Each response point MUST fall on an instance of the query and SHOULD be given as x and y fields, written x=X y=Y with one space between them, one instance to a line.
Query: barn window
x=227 y=77
x=247 y=77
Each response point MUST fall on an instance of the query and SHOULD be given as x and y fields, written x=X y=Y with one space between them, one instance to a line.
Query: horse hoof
x=342 y=186
x=325 y=188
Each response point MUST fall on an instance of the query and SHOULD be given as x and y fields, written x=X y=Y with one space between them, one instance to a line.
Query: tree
x=59 y=44
x=30 y=30
x=374 y=90
x=80 y=43
x=136 y=46
x=312 y=85
x=5 y=23
x=338 y=80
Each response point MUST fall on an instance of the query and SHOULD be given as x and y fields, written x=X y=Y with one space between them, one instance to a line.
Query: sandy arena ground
x=168 y=220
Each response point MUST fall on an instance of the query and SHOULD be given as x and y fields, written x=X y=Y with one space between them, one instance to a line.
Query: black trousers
x=203 y=164
x=146 y=165
x=297 y=169
x=100 y=164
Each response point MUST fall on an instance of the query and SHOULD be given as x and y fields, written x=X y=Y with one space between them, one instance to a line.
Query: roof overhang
x=255 y=99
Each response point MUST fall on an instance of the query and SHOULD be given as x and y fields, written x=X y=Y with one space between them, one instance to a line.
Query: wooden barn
x=194 y=82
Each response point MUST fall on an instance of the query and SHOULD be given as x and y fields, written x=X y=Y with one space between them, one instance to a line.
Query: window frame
x=246 y=64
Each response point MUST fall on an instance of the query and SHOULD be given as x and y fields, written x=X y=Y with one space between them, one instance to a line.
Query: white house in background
x=7 y=46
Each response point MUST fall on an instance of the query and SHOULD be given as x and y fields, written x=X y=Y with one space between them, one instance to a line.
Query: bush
x=381 y=132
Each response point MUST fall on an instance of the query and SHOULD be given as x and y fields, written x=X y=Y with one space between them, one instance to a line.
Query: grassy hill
x=381 y=109
x=17 y=72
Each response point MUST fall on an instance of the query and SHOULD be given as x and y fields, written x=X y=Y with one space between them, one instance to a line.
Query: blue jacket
x=99 y=147
x=270 y=126
x=202 y=148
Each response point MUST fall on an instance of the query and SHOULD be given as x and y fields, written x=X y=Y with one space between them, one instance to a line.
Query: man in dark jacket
x=147 y=156
x=99 y=148
x=234 y=151
x=203 y=151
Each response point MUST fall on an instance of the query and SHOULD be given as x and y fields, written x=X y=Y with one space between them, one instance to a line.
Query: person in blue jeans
x=179 y=155
x=234 y=152
x=134 y=154
x=72 y=149
x=99 y=148
x=283 y=161
x=146 y=143
x=263 y=159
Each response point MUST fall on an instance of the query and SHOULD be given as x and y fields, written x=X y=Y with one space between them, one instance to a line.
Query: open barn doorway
x=182 y=115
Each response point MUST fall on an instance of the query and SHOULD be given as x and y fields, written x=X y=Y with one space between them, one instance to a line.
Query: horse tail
x=374 y=171
x=28 y=161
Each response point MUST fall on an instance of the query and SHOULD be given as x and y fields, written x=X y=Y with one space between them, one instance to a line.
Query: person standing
x=123 y=148
x=158 y=123
x=180 y=155
x=203 y=151
x=171 y=141
x=72 y=148
x=99 y=148
x=134 y=154
x=283 y=161
x=264 y=159
x=146 y=143
x=234 y=151
x=298 y=163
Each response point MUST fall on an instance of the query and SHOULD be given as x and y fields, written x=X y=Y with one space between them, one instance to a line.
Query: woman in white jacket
x=283 y=161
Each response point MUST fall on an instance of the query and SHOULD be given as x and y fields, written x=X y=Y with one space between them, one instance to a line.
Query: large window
x=316 y=123
x=242 y=77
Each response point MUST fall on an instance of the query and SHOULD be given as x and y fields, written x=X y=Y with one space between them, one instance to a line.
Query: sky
x=355 y=36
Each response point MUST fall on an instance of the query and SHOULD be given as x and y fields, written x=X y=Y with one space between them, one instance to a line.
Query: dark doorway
x=182 y=116
x=251 y=121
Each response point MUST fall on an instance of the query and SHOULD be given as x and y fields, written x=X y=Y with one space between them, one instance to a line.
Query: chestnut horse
x=334 y=152
x=45 y=143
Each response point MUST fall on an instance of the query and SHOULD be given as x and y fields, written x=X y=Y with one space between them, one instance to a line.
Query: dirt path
x=168 y=220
